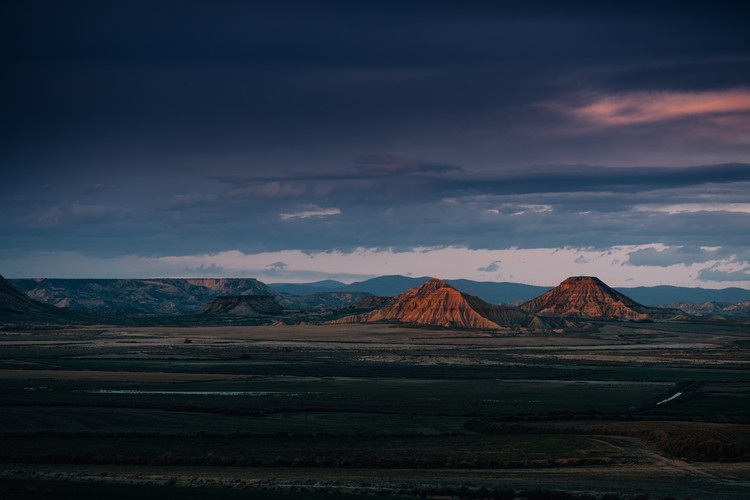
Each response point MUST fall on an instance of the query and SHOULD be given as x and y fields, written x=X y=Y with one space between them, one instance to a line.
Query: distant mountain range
x=506 y=293
x=736 y=310
x=165 y=296
x=573 y=303
x=172 y=296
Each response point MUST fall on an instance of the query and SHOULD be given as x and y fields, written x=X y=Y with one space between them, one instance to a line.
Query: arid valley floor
x=340 y=411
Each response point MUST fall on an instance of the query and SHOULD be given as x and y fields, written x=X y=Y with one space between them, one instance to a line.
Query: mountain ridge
x=164 y=296
x=507 y=292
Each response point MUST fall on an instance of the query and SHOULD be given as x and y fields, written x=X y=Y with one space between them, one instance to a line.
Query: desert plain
x=613 y=410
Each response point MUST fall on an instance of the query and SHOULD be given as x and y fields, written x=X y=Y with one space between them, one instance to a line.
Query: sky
x=298 y=141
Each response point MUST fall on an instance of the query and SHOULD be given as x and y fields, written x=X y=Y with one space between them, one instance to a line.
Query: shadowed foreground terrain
x=341 y=411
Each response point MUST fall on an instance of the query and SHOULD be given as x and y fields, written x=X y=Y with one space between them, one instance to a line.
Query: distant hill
x=147 y=296
x=17 y=307
x=436 y=303
x=663 y=294
x=390 y=286
x=506 y=292
x=309 y=288
x=733 y=311
x=321 y=300
x=174 y=296
x=243 y=305
x=589 y=297
x=387 y=286
x=165 y=296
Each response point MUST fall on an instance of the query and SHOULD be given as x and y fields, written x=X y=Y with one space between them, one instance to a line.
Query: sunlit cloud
x=695 y=207
x=643 y=107
x=520 y=209
x=311 y=212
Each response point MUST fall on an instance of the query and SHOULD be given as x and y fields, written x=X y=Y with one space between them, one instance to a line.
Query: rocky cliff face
x=17 y=307
x=146 y=296
x=589 y=297
x=436 y=303
x=165 y=296
x=243 y=305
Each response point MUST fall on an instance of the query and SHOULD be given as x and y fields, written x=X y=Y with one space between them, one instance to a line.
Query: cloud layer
x=138 y=133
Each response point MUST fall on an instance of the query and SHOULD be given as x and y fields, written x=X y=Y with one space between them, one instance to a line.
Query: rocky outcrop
x=436 y=303
x=589 y=297
x=725 y=310
x=16 y=307
x=243 y=305
x=165 y=296
x=133 y=296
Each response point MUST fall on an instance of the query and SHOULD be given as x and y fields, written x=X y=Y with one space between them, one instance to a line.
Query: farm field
x=659 y=409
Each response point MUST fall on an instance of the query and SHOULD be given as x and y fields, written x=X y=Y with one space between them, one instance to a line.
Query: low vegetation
x=467 y=417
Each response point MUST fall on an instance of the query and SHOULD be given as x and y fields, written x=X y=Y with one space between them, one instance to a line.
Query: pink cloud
x=642 y=107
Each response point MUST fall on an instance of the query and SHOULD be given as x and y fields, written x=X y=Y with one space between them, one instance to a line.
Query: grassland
x=621 y=409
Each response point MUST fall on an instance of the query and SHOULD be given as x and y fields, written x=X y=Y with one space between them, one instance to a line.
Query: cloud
x=184 y=201
x=643 y=107
x=98 y=212
x=539 y=266
x=277 y=266
x=311 y=212
x=709 y=206
x=519 y=209
x=669 y=256
x=712 y=274
x=56 y=216
x=99 y=188
x=394 y=163
x=491 y=267
x=203 y=271
x=550 y=206
x=50 y=218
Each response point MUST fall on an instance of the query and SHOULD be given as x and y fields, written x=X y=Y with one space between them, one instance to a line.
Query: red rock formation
x=589 y=297
x=436 y=303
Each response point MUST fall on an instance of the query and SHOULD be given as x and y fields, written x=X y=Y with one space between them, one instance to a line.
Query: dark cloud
x=416 y=124
x=581 y=206
x=674 y=255
x=99 y=188
x=203 y=270
x=491 y=267
x=393 y=163
x=712 y=274
x=276 y=267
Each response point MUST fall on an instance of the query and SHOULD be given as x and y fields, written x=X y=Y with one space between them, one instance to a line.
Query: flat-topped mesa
x=435 y=303
x=426 y=288
x=582 y=280
x=589 y=297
